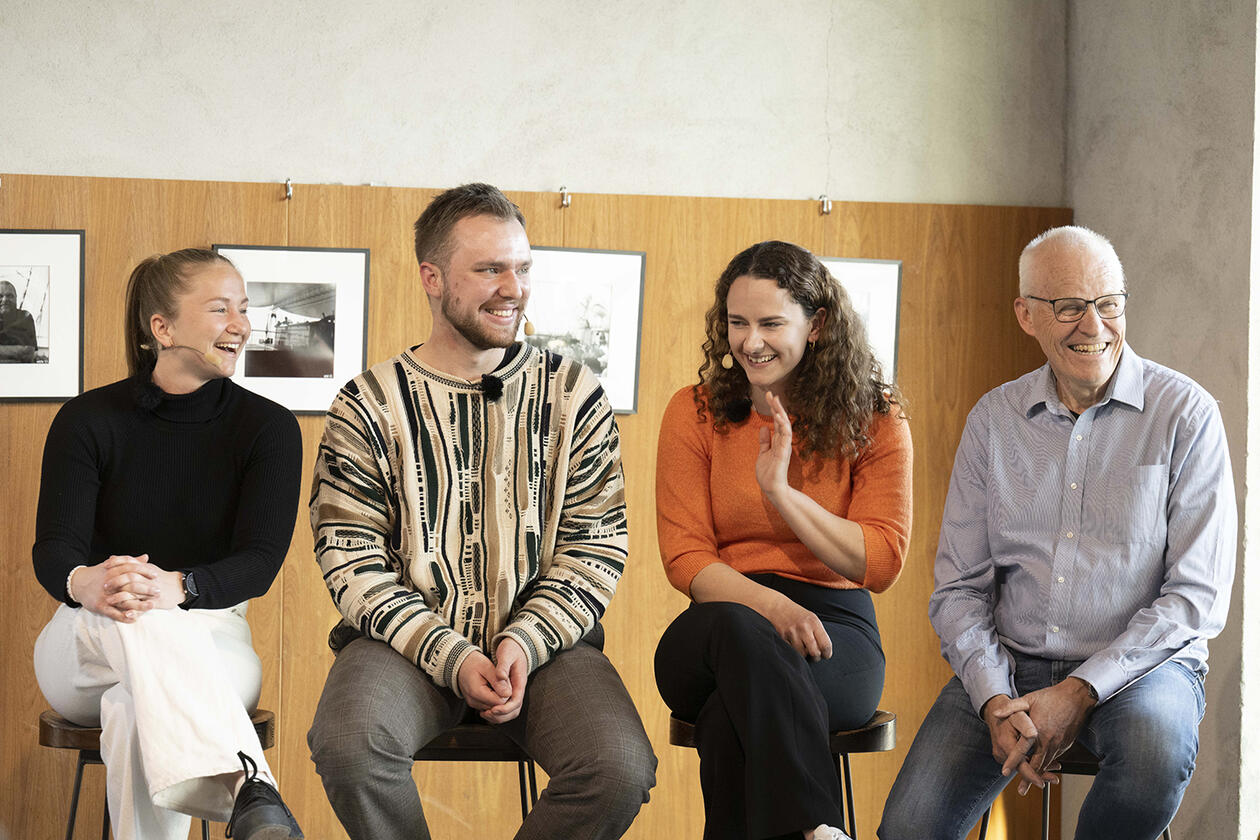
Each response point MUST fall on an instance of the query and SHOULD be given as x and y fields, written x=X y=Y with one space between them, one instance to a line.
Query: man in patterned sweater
x=470 y=523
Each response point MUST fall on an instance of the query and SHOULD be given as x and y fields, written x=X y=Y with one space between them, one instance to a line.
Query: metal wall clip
x=565 y=198
x=824 y=205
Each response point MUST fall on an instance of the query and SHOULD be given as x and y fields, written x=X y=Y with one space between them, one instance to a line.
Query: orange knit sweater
x=710 y=509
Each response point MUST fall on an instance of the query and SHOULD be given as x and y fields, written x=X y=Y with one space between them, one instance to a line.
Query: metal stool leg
x=984 y=823
x=848 y=794
x=1045 y=812
x=205 y=830
x=533 y=786
x=105 y=819
x=520 y=773
x=74 y=798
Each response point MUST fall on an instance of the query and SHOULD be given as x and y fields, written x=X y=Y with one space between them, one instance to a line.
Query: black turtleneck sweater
x=207 y=480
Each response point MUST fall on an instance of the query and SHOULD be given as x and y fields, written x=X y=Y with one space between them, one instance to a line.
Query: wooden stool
x=1076 y=761
x=474 y=741
x=878 y=735
x=59 y=733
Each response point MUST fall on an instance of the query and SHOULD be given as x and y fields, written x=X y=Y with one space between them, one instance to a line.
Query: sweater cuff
x=540 y=641
x=444 y=666
x=67 y=596
x=683 y=570
x=883 y=567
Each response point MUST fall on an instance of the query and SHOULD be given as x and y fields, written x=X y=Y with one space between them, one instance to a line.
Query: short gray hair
x=1077 y=235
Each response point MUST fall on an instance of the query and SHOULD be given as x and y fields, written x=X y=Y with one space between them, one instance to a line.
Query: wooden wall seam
x=958 y=338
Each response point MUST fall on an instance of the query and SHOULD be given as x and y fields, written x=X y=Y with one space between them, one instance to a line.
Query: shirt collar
x=1126 y=386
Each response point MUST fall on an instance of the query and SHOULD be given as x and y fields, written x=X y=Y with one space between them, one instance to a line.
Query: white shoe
x=826 y=832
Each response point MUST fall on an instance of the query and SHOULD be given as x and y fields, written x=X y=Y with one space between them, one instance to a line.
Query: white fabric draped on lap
x=172 y=694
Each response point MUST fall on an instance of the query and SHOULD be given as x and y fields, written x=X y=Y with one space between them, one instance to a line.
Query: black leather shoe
x=259 y=813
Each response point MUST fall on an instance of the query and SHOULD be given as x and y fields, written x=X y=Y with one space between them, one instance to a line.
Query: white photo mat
x=874 y=287
x=346 y=271
x=588 y=304
x=55 y=260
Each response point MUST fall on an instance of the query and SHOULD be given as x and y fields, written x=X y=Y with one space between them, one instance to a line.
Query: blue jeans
x=1146 y=737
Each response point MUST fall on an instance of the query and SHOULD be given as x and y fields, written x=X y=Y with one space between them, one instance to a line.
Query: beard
x=476 y=332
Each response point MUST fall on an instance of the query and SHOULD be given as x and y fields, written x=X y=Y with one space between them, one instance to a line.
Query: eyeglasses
x=1071 y=309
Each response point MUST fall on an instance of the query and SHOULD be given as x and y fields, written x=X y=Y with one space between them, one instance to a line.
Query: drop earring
x=728 y=361
x=529 y=325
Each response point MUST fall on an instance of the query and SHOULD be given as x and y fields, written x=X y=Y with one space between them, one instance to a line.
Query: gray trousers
x=577 y=722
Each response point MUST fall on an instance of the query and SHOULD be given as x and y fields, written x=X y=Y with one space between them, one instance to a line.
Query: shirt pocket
x=1135 y=506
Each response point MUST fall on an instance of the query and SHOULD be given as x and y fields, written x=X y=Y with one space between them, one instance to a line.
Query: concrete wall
x=888 y=100
x=1161 y=138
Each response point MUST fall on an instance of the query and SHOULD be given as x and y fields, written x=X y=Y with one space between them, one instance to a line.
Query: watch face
x=190 y=584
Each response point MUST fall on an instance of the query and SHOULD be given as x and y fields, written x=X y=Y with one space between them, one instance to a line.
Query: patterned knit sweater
x=446 y=521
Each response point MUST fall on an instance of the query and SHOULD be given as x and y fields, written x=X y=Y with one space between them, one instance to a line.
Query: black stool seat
x=472 y=740
x=878 y=735
x=59 y=733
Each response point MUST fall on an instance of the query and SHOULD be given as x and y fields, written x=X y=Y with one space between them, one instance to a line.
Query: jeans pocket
x=1196 y=684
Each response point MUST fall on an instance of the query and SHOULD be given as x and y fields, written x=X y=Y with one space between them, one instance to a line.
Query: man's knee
x=625 y=776
x=1153 y=735
x=1152 y=759
x=372 y=725
x=619 y=772
x=352 y=748
x=948 y=775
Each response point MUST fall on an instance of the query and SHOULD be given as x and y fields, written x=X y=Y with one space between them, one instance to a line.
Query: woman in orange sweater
x=783 y=501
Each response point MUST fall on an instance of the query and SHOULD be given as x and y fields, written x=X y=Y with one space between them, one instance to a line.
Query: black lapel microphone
x=491 y=386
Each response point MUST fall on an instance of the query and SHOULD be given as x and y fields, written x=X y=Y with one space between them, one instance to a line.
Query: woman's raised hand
x=776 y=451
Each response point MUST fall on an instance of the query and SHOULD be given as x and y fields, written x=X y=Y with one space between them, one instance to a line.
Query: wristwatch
x=1093 y=692
x=191 y=593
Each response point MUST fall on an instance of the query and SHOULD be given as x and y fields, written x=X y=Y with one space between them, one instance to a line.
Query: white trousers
x=171 y=693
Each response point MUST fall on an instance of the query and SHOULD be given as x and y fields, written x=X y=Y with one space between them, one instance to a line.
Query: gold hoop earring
x=728 y=361
x=811 y=346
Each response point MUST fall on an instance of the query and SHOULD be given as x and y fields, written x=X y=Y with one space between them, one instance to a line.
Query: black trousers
x=763 y=712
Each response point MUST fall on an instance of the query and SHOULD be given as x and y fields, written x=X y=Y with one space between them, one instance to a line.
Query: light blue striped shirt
x=1108 y=538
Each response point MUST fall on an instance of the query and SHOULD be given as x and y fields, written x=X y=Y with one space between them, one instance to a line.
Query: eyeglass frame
x=1124 y=296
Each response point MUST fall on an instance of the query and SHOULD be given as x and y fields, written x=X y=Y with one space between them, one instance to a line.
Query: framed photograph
x=308 y=319
x=41 y=314
x=874 y=286
x=588 y=305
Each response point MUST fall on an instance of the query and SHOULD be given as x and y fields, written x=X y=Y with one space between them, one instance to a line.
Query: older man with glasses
x=1086 y=556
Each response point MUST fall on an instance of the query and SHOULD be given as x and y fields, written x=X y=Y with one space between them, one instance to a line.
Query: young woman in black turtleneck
x=167 y=501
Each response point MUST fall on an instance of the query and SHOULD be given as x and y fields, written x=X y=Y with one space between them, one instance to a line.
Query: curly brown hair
x=837 y=387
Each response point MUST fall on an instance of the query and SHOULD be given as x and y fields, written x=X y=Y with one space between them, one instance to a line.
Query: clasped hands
x=125 y=587
x=1029 y=733
x=495 y=689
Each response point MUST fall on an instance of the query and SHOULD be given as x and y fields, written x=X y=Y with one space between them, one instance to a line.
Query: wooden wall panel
x=958 y=338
